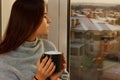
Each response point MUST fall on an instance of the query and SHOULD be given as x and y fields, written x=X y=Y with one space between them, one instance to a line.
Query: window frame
x=58 y=11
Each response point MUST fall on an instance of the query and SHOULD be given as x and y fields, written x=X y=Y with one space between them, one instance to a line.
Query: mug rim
x=52 y=52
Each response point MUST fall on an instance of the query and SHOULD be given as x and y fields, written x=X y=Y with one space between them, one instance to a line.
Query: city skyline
x=97 y=1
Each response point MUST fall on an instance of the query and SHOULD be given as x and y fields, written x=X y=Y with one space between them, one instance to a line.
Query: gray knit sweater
x=20 y=64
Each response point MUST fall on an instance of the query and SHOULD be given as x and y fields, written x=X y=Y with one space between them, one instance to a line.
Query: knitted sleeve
x=8 y=75
x=8 y=72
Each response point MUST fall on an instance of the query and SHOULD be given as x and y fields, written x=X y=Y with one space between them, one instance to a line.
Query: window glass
x=94 y=40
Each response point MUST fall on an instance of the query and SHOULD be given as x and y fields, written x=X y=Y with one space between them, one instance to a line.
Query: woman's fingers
x=41 y=65
x=46 y=67
x=51 y=70
x=44 y=61
x=49 y=67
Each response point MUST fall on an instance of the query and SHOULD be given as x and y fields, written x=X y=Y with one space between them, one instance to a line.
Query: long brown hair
x=25 y=18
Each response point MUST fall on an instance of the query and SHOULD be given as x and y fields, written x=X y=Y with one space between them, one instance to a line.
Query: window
x=84 y=32
x=94 y=50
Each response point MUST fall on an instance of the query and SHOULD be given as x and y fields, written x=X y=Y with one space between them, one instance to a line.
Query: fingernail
x=46 y=57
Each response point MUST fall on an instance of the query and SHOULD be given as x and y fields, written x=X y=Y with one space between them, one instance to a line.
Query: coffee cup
x=56 y=58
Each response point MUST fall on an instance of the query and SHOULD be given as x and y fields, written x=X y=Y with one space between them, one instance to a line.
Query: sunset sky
x=98 y=1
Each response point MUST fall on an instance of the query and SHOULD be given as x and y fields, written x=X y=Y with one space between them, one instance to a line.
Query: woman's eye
x=45 y=16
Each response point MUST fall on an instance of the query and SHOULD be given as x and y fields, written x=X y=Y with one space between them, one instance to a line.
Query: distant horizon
x=94 y=4
x=97 y=1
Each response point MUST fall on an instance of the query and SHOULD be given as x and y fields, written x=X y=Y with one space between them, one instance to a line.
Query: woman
x=20 y=47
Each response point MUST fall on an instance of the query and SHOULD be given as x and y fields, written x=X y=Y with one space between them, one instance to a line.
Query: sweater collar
x=30 y=44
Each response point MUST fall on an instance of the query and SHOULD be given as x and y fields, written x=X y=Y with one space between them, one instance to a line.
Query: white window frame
x=57 y=11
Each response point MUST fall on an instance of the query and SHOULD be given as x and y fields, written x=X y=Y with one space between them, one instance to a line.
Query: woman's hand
x=45 y=68
x=57 y=75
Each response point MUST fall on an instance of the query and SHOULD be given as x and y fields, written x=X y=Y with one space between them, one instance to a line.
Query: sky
x=98 y=1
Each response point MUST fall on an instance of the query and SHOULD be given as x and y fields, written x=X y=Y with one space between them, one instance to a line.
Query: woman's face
x=43 y=28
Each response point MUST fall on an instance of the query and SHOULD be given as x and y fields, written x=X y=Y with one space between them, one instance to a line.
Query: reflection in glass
x=94 y=40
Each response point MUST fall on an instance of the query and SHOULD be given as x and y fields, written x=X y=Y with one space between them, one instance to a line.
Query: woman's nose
x=48 y=20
